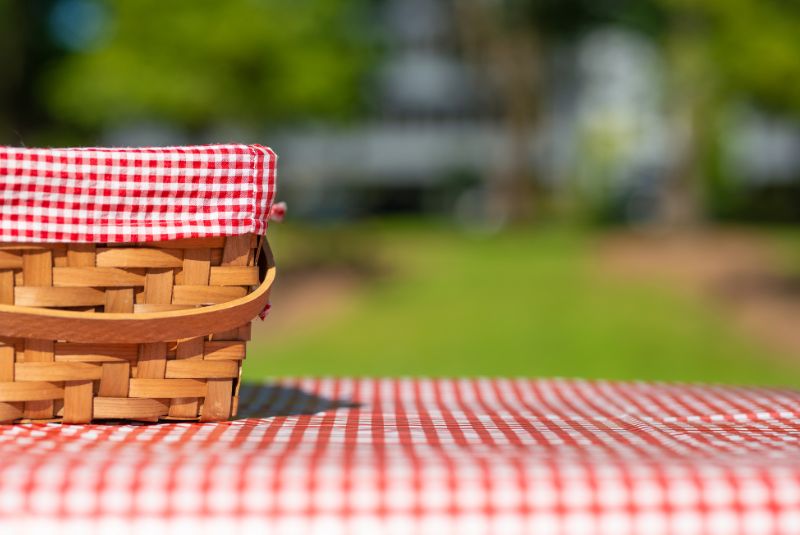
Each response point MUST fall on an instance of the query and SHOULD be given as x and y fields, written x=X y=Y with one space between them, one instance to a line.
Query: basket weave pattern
x=188 y=379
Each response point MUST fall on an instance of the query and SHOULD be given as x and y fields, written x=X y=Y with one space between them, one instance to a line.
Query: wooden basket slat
x=81 y=255
x=7 y=287
x=119 y=300
x=97 y=276
x=75 y=352
x=28 y=391
x=233 y=276
x=42 y=296
x=201 y=369
x=139 y=258
x=190 y=243
x=224 y=350
x=37 y=268
x=78 y=402
x=37 y=350
x=126 y=408
x=196 y=267
x=188 y=350
x=238 y=251
x=206 y=295
x=56 y=371
x=166 y=388
x=114 y=379
x=10 y=260
x=218 y=400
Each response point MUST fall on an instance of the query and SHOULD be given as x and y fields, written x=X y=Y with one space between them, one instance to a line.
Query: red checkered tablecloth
x=341 y=456
x=134 y=194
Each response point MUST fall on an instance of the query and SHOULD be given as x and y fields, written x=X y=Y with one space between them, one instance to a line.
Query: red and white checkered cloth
x=439 y=457
x=134 y=195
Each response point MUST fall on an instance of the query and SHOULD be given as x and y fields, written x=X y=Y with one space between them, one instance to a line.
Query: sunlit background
x=594 y=188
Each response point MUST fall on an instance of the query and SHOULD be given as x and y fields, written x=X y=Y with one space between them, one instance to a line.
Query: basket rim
x=33 y=322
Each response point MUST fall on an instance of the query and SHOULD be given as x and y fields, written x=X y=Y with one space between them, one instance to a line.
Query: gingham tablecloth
x=438 y=457
x=102 y=195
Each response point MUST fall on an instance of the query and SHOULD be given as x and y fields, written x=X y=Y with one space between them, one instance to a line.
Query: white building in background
x=430 y=119
x=763 y=149
x=603 y=121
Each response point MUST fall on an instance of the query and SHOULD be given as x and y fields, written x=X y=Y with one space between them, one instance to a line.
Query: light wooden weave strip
x=76 y=382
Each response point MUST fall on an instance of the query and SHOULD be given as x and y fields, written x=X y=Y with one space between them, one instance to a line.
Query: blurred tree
x=11 y=61
x=197 y=63
x=754 y=45
x=23 y=50
x=723 y=51
x=505 y=48
x=512 y=42
x=717 y=52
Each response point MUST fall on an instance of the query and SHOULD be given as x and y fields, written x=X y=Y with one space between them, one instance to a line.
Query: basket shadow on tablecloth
x=265 y=400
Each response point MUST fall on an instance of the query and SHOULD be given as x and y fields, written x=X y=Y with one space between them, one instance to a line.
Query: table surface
x=454 y=456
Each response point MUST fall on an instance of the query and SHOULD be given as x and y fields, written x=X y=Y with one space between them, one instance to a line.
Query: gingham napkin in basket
x=134 y=194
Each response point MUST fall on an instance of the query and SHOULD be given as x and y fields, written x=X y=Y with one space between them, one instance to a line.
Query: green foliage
x=10 y=62
x=197 y=62
x=753 y=46
x=527 y=303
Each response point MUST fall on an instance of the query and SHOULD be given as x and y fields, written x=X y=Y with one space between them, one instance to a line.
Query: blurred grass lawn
x=522 y=303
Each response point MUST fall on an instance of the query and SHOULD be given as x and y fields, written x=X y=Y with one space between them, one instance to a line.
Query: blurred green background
x=592 y=188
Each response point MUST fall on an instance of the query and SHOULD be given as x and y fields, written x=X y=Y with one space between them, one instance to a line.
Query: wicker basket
x=138 y=331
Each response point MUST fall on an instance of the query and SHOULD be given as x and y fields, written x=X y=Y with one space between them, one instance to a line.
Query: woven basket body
x=139 y=331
